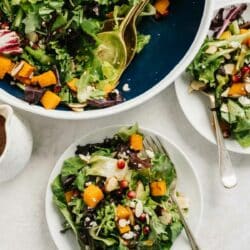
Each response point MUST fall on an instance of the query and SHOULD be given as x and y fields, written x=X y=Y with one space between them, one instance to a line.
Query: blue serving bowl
x=174 y=42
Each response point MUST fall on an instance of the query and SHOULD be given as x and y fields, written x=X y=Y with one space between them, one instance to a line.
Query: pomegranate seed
x=146 y=230
x=57 y=88
x=142 y=218
x=121 y=164
x=123 y=184
x=245 y=70
x=236 y=78
x=131 y=194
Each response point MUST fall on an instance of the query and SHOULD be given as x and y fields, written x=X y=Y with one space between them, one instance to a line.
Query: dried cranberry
x=143 y=217
x=245 y=70
x=57 y=88
x=236 y=78
x=146 y=230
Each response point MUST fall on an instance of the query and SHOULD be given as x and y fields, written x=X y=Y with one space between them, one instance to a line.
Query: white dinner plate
x=196 y=107
x=187 y=183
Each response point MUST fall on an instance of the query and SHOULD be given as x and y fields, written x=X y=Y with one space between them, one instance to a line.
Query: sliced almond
x=77 y=109
x=197 y=85
x=229 y=68
x=17 y=68
x=138 y=209
x=111 y=184
x=123 y=222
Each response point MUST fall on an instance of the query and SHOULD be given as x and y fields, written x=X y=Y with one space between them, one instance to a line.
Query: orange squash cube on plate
x=50 y=100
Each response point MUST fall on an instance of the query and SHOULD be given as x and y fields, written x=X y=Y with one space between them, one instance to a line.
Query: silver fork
x=156 y=146
x=228 y=177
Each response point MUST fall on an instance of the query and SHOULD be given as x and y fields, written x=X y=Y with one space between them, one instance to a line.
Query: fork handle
x=227 y=173
x=191 y=238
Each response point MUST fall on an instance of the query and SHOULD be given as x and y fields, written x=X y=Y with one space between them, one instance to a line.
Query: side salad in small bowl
x=113 y=194
x=222 y=67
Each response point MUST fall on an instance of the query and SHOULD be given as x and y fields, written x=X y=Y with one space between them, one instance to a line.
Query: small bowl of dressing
x=16 y=143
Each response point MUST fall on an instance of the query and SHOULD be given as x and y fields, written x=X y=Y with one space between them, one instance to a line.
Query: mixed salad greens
x=114 y=195
x=222 y=66
x=49 y=49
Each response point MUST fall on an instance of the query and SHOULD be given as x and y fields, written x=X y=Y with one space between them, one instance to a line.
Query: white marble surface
x=225 y=223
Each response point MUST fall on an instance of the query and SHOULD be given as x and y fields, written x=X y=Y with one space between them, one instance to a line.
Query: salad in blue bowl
x=85 y=55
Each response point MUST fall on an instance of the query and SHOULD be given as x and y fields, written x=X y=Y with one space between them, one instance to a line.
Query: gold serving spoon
x=118 y=47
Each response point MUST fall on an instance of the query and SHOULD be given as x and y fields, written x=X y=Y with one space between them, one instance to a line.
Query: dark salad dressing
x=2 y=134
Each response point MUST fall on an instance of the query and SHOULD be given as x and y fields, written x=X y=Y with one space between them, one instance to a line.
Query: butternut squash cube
x=136 y=142
x=158 y=188
x=72 y=84
x=161 y=6
x=237 y=89
x=122 y=212
x=92 y=195
x=68 y=196
x=46 y=79
x=25 y=71
x=124 y=230
x=6 y=66
x=50 y=100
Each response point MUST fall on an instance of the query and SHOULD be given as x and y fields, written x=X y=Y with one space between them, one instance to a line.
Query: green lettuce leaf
x=125 y=132
x=142 y=41
x=72 y=166
x=163 y=168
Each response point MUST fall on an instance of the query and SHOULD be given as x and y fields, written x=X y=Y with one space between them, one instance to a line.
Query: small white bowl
x=188 y=183
x=18 y=145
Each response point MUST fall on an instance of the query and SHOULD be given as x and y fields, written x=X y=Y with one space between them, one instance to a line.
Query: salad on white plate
x=222 y=67
x=110 y=192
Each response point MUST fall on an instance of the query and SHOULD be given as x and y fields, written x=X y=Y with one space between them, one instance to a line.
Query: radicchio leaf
x=33 y=95
x=220 y=23
x=9 y=42
x=113 y=99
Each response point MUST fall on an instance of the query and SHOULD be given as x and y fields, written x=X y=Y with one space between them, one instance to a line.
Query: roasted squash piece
x=69 y=195
x=72 y=84
x=6 y=66
x=124 y=230
x=237 y=89
x=161 y=7
x=92 y=195
x=136 y=142
x=122 y=212
x=26 y=71
x=158 y=188
x=50 y=100
x=46 y=79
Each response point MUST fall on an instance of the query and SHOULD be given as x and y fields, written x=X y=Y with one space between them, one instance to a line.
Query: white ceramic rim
x=169 y=79
x=221 y=4
x=8 y=118
x=117 y=126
